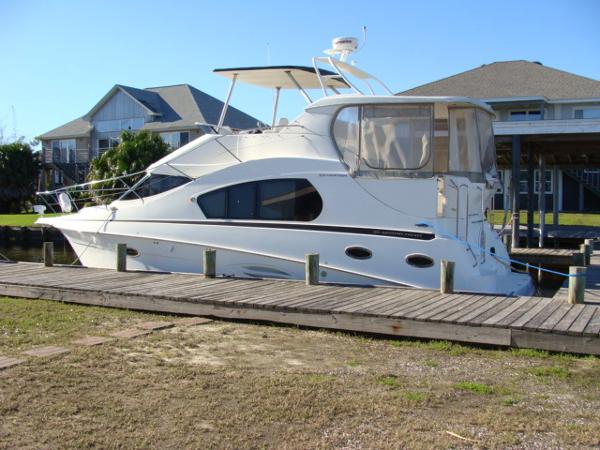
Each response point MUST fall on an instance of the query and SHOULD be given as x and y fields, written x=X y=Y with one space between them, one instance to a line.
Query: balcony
x=560 y=126
x=71 y=156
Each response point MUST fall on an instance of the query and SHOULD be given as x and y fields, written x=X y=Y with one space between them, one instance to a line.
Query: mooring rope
x=500 y=258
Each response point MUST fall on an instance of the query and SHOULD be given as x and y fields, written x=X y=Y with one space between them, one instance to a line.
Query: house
x=545 y=118
x=174 y=112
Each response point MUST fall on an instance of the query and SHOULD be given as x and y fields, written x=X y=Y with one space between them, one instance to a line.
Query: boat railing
x=347 y=72
x=72 y=198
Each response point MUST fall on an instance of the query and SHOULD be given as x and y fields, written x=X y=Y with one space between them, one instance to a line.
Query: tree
x=135 y=152
x=18 y=172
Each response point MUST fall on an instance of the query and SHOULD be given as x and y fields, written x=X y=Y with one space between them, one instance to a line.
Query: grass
x=241 y=385
x=550 y=372
x=565 y=218
x=25 y=324
x=390 y=381
x=354 y=362
x=22 y=220
x=478 y=388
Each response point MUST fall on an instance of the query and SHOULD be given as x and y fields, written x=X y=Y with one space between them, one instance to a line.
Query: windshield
x=384 y=137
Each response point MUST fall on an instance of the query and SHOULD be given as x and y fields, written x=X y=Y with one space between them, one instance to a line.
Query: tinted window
x=155 y=184
x=214 y=204
x=284 y=199
x=241 y=201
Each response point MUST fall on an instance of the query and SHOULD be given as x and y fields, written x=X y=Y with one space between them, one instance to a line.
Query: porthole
x=358 y=252
x=420 y=261
x=132 y=252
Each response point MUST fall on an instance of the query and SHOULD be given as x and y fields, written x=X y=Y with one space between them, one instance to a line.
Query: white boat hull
x=275 y=253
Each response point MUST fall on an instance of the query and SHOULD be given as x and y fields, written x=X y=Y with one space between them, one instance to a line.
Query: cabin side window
x=385 y=137
x=156 y=184
x=415 y=140
x=280 y=199
x=396 y=137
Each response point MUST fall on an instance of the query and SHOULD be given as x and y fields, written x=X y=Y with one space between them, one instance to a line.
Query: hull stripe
x=292 y=226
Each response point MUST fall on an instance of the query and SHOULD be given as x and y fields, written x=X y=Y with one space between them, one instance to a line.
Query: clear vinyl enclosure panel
x=415 y=140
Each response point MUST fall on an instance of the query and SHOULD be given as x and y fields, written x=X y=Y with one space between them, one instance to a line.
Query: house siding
x=567 y=110
x=120 y=106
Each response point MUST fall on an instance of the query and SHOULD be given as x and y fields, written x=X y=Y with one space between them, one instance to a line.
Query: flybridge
x=339 y=75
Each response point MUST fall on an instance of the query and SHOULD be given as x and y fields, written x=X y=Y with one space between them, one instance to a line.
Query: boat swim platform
x=523 y=322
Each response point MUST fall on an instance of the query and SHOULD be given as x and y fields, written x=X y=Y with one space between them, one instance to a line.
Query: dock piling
x=121 y=257
x=576 y=284
x=210 y=263
x=312 y=269
x=446 y=277
x=48 y=254
x=589 y=246
x=585 y=249
x=578 y=259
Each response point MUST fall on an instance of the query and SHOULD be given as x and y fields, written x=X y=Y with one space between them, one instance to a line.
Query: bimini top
x=353 y=99
x=283 y=77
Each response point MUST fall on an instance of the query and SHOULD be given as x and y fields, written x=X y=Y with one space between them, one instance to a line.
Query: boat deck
x=528 y=322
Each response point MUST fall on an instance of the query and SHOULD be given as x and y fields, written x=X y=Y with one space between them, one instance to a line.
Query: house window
x=586 y=113
x=530 y=114
x=536 y=180
x=107 y=144
x=106 y=126
x=63 y=151
x=280 y=199
x=177 y=139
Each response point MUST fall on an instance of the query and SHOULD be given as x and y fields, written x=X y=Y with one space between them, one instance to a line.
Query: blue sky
x=60 y=57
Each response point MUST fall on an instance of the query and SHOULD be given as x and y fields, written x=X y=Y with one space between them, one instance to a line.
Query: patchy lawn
x=240 y=385
x=22 y=220
x=565 y=218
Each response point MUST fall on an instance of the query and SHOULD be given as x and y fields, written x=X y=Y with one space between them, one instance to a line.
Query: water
x=63 y=253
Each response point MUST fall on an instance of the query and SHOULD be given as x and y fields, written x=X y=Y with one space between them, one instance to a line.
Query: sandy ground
x=244 y=385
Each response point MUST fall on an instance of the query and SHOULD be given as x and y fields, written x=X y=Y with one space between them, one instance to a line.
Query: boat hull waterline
x=268 y=252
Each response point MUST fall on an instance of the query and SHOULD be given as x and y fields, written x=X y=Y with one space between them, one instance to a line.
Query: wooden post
x=515 y=188
x=210 y=263
x=578 y=259
x=586 y=250
x=530 y=194
x=590 y=249
x=312 y=269
x=48 y=254
x=447 y=277
x=506 y=238
x=542 y=200
x=121 y=257
x=576 y=284
x=555 y=196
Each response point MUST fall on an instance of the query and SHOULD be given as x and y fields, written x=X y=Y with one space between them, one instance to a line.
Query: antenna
x=343 y=46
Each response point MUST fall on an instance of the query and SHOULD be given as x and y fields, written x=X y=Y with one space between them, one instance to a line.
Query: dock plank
x=533 y=322
x=541 y=317
x=503 y=313
x=582 y=320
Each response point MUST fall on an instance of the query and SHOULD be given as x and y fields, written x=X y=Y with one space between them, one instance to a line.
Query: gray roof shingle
x=176 y=107
x=75 y=128
x=512 y=79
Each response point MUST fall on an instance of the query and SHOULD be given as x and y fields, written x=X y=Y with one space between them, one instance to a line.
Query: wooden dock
x=544 y=256
x=592 y=283
x=528 y=322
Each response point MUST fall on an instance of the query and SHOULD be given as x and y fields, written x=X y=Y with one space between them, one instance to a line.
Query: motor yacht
x=382 y=187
